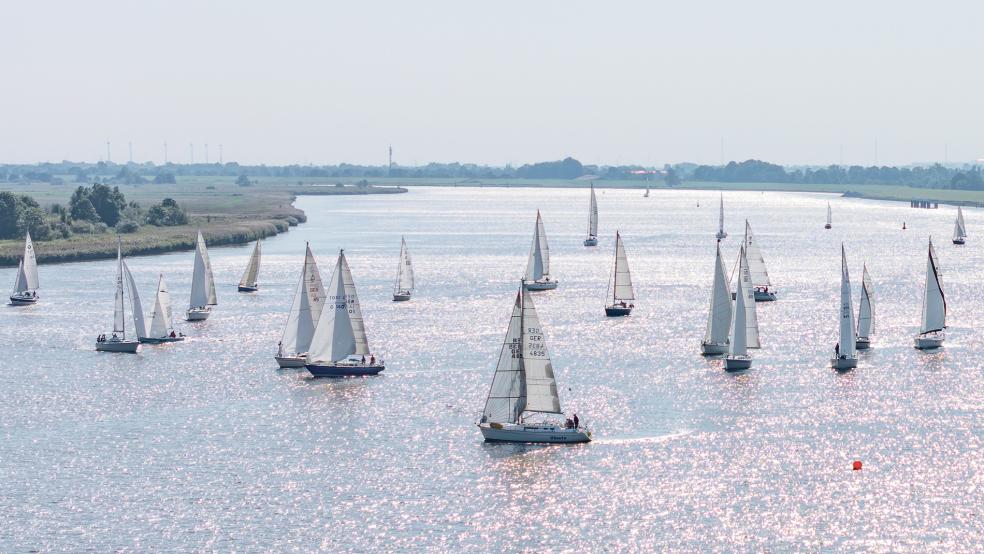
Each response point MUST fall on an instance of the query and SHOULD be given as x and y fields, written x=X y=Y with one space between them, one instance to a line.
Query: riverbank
x=225 y=212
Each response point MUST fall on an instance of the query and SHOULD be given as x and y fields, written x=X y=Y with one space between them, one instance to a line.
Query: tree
x=167 y=214
x=671 y=178
x=9 y=215
x=165 y=178
x=81 y=207
x=108 y=203
x=243 y=181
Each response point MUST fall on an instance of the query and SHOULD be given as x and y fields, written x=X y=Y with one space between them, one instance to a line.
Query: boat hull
x=401 y=297
x=245 y=288
x=122 y=346
x=827 y=226
x=711 y=349
x=197 y=315
x=18 y=300
x=343 y=370
x=737 y=363
x=161 y=340
x=929 y=342
x=763 y=296
x=541 y=285
x=862 y=343
x=958 y=241
x=291 y=361
x=842 y=364
x=591 y=241
x=721 y=235
x=617 y=311
x=550 y=434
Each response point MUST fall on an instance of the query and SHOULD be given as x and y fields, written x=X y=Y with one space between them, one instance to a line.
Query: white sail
x=721 y=232
x=507 y=398
x=538 y=265
x=341 y=331
x=846 y=312
x=541 y=387
x=750 y=316
x=252 y=272
x=20 y=285
x=756 y=263
x=119 y=310
x=593 y=215
x=30 y=265
x=934 y=303
x=829 y=221
x=622 y=289
x=305 y=310
x=719 y=315
x=202 y=283
x=738 y=345
x=139 y=324
x=959 y=229
x=162 y=317
x=866 y=316
x=404 y=273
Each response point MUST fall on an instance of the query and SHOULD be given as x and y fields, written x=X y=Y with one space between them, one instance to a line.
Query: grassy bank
x=225 y=212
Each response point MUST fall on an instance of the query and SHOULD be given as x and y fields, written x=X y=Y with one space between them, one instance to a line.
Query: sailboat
x=248 y=281
x=340 y=347
x=403 y=288
x=959 y=229
x=118 y=341
x=592 y=239
x=721 y=235
x=538 y=265
x=866 y=314
x=26 y=286
x=719 y=316
x=524 y=385
x=932 y=327
x=845 y=355
x=744 y=320
x=647 y=192
x=756 y=264
x=620 y=285
x=305 y=311
x=828 y=225
x=202 y=285
x=161 y=319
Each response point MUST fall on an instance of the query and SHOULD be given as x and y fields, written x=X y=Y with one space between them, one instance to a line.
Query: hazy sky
x=493 y=82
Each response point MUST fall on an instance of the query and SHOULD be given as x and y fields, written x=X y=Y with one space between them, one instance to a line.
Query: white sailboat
x=592 y=239
x=161 y=319
x=118 y=342
x=647 y=192
x=744 y=320
x=932 y=327
x=403 y=288
x=248 y=282
x=721 y=234
x=538 y=264
x=829 y=221
x=202 y=285
x=719 y=315
x=524 y=385
x=845 y=355
x=340 y=347
x=26 y=286
x=139 y=324
x=866 y=313
x=756 y=264
x=620 y=288
x=959 y=229
x=305 y=311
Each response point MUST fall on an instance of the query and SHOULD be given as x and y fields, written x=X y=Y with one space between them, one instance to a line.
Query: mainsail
x=139 y=324
x=866 y=316
x=27 y=270
x=20 y=285
x=719 y=315
x=959 y=229
x=622 y=289
x=340 y=331
x=593 y=215
x=119 y=310
x=202 y=283
x=829 y=220
x=756 y=263
x=847 y=337
x=746 y=290
x=721 y=233
x=738 y=345
x=161 y=319
x=305 y=310
x=404 y=273
x=252 y=270
x=538 y=264
x=934 y=303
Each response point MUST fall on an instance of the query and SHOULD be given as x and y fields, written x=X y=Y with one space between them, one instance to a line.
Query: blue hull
x=617 y=312
x=343 y=370
x=248 y=289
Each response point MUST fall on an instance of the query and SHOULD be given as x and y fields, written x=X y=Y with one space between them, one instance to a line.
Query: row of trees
x=756 y=171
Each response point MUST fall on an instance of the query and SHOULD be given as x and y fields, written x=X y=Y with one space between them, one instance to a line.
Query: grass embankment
x=225 y=213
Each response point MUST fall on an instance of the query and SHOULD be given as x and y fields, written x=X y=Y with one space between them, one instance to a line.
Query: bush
x=100 y=228
x=167 y=214
x=127 y=226
x=292 y=221
x=81 y=227
x=61 y=229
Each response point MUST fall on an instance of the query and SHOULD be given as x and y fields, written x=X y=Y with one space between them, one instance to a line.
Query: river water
x=205 y=445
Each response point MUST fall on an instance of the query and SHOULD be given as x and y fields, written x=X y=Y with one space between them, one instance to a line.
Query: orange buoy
x=857 y=465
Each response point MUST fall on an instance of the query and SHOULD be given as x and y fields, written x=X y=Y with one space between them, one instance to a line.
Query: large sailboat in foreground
x=538 y=264
x=248 y=282
x=845 y=356
x=403 y=288
x=524 y=385
x=161 y=319
x=721 y=235
x=744 y=321
x=26 y=286
x=866 y=312
x=933 y=324
x=756 y=264
x=340 y=347
x=592 y=239
x=620 y=285
x=719 y=315
x=959 y=229
x=305 y=311
x=117 y=341
x=202 y=285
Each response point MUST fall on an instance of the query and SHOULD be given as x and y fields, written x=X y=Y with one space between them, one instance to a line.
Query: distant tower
x=206 y=152
x=165 y=152
x=130 y=146
x=722 y=150
x=220 y=153
x=108 y=157
x=191 y=148
x=389 y=168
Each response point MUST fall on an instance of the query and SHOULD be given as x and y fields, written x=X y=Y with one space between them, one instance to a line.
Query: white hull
x=844 y=363
x=539 y=433
x=541 y=285
x=123 y=346
x=21 y=300
x=737 y=363
x=862 y=343
x=197 y=314
x=930 y=341
x=591 y=241
x=401 y=297
x=711 y=349
x=291 y=361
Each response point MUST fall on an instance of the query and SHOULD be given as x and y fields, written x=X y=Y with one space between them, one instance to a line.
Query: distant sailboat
x=866 y=313
x=932 y=327
x=959 y=229
x=524 y=384
x=744 y=320
x=202 y=285
x=845 y=356
x=721 y=235
x=403 y=288
x=340 y=347
x=161 y=319
x=248 y=283
x=305 y=311
x=647 y=192
x=620 y=288
x=26 y=286
x=719 y=315
x=118 y=342
x=592 y=239
x=756 y=263
x=829 y=221
x=538 y=264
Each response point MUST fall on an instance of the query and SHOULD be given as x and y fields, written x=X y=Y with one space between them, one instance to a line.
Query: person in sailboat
x=577 y=422
x=280 y=349
x=569 y=423
x=372 y=359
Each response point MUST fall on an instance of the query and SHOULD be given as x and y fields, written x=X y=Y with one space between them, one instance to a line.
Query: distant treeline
x=749 y=171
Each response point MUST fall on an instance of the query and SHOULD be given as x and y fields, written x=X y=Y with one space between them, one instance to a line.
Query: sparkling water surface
x=206 y=445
